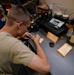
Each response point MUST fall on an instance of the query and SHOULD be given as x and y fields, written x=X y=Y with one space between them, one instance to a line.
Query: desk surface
x=59 y=65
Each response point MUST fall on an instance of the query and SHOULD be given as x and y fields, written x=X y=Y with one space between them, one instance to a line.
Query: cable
x=19 y=2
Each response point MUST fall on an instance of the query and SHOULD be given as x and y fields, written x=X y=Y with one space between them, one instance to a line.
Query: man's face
x=24 y=28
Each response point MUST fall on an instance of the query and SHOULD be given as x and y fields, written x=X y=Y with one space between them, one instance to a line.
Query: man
x=12 y=50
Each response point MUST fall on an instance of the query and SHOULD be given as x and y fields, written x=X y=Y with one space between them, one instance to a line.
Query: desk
x=58 y=64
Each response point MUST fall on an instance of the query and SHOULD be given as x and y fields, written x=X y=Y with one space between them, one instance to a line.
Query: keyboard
x=52 y=25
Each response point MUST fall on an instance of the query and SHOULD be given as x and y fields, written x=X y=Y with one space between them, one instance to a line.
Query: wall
x=69 y=4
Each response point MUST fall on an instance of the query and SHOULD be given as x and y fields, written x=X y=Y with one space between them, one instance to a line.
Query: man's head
x=19 y=16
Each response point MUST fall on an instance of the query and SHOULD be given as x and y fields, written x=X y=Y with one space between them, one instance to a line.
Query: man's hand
x=26 y=35
x=36 y=39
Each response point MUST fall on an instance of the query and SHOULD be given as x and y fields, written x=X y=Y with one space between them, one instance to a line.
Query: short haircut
x=18 y=13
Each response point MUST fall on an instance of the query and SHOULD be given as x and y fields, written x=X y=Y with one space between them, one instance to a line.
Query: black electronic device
x=72 y=21
x=55 y=23
x=34 y=27
x=51 y=44
x=46 y=25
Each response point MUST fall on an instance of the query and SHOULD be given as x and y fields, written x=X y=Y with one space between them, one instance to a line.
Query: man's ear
x=19 y=25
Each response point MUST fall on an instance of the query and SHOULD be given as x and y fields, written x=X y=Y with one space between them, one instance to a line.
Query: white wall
x=69 y=4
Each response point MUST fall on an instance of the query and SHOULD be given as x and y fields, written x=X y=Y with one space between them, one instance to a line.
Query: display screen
x=56 y=22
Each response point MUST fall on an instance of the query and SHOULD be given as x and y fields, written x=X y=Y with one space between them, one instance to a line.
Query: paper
x=41 y=40
x=72 y=39
x=64 y=49
x=52 y=37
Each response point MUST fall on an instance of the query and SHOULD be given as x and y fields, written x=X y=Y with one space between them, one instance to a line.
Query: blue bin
x=2 y=24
